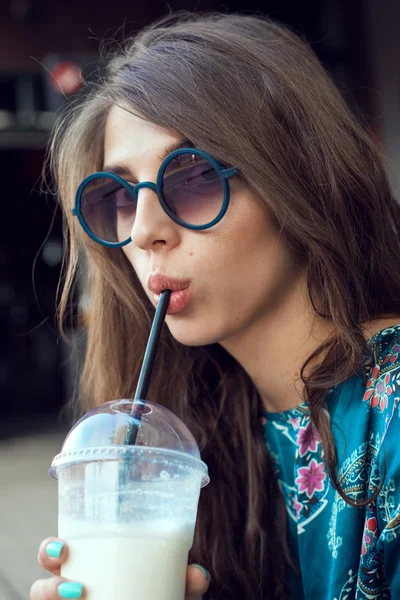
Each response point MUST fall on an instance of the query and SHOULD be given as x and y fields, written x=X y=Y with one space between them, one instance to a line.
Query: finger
x=52 y=552
x=55 y=588
x=197 y=582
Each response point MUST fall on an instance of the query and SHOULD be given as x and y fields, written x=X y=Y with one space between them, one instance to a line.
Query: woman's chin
x=191 y=336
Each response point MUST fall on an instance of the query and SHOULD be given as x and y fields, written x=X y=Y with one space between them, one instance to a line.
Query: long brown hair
x=254 y=95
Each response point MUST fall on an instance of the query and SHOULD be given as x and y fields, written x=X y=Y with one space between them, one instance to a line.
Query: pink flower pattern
x=308 y=439
x=311 y=478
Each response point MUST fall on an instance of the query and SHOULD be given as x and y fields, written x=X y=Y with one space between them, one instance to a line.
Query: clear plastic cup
x=128 y=513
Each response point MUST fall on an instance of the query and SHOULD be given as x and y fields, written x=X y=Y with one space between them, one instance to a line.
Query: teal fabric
x=345 y=553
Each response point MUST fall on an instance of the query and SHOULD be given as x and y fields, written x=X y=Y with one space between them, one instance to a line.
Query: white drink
x=128 y=512
x=141 y=561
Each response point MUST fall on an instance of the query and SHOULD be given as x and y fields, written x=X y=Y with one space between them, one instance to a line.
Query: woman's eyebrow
x=121 y=170
x=175 y=146
x=125 y=171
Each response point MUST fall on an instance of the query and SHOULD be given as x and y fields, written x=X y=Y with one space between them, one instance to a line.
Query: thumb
x=197 y=582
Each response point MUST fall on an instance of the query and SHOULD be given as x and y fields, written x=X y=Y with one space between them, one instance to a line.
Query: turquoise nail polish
x=53 y=549
x=204 y=571
x=70 y=589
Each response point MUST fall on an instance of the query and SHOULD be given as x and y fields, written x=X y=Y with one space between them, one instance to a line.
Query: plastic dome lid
x=149 y=425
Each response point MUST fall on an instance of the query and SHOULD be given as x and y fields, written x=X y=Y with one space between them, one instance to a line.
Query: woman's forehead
x=129 y=137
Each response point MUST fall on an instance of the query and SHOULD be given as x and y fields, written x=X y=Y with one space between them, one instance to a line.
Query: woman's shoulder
x=383 y=385
x=383 y=336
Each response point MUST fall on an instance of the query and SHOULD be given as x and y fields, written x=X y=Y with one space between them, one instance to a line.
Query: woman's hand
x=53 y=552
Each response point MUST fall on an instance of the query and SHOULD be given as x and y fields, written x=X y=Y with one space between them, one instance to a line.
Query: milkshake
x=128 y=512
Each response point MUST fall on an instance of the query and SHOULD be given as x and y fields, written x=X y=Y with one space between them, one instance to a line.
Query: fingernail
x=70 y=589
x=205 y=572
x=53 y=549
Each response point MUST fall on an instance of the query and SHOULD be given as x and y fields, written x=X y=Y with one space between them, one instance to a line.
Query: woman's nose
x=152 y=226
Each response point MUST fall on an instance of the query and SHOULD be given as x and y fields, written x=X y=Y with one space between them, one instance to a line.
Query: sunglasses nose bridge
x=143 y=184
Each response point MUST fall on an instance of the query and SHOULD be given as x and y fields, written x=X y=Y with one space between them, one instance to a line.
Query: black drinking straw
x=148 y=362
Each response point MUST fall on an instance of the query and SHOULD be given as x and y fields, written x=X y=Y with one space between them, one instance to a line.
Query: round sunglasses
x=192 y=187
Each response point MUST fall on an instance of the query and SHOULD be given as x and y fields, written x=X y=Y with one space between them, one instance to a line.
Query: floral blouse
x=345 y=553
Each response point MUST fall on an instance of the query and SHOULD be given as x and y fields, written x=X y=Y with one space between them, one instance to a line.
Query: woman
x=273 y=223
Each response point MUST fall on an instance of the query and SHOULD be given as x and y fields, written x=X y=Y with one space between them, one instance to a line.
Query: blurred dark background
x=44 y=45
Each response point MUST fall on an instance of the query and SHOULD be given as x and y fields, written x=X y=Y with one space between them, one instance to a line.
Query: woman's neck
x=273 y=349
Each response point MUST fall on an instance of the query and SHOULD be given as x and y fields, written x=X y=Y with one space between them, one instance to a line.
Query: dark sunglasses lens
x=108 y=209
x=193 y=189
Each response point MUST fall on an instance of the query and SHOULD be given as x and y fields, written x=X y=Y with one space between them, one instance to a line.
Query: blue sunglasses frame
x=224 y=175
